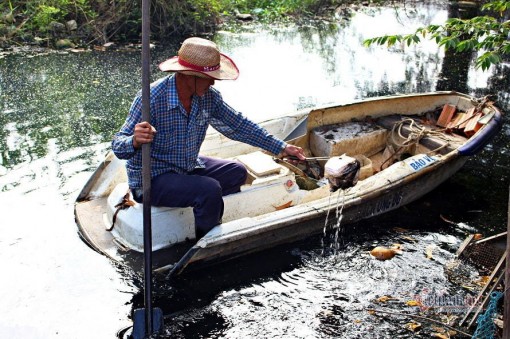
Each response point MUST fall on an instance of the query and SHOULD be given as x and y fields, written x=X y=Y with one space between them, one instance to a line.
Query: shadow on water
x=455 y=67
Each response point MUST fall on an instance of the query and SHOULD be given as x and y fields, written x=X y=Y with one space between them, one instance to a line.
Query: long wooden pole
x=146 y=169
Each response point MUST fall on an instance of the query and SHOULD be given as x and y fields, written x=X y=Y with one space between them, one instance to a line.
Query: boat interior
x=376 y=143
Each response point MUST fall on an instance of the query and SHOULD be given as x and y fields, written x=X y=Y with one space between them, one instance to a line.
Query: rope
x=486 y=328
x=416 y=133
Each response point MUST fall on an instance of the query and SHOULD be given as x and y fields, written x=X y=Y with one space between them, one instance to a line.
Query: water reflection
x=456 y=65
x=59 y=111
x=70 y=99
x=80 y=99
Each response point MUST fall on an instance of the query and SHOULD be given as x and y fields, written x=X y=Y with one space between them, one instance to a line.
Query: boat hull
x=309 y=220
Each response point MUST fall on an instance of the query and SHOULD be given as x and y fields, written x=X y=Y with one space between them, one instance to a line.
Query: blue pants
x=201 y=189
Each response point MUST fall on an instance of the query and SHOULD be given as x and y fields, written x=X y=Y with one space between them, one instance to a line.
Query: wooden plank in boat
x=446 y=115
x=473 y=125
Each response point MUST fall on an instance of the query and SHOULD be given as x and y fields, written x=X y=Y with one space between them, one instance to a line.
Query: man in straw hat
x=182 y=107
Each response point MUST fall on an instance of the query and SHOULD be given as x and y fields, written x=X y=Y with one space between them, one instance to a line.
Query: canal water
x=59 y=111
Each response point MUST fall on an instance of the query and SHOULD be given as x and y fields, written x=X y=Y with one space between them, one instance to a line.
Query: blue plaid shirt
x=179 y=136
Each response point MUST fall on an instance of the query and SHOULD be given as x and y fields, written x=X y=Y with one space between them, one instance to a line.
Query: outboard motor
x=342 y=172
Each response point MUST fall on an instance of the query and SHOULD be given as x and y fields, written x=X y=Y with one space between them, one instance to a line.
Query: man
x=182 y=106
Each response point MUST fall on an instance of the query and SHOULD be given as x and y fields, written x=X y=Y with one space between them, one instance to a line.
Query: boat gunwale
x=322 y=205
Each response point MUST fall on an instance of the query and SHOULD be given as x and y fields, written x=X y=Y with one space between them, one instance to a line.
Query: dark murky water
x=58 y=113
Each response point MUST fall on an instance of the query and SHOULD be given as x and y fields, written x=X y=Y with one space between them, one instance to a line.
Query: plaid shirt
x=179 y=136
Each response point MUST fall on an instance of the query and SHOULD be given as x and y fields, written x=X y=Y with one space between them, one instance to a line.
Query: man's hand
x=294 y=151
x=144 y=133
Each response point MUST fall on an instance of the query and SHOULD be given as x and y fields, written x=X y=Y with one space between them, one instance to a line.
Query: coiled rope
x=416 y=133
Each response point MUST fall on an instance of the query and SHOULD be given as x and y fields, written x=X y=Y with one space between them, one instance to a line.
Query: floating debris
x=413 y=303
x=428 y=251
x=385 y=298
x=384 y=253
x=413 y=326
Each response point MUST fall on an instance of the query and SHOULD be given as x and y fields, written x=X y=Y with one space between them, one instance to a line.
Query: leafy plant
x=46 y=14
x=482 y=33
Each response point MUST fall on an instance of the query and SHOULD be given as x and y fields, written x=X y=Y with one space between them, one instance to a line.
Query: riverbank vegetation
x=96 y=22
x=87 y=23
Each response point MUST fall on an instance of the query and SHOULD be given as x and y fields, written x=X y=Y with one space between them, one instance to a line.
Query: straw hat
x=202 y=58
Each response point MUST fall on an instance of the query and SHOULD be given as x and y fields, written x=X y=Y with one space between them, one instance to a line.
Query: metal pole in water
x=147 y=320
x=506 y=313
x=146 y=169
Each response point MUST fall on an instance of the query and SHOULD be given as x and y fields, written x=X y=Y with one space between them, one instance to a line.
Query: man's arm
x=235 y=126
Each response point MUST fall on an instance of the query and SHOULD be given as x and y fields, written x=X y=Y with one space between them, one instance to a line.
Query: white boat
x=407 y=145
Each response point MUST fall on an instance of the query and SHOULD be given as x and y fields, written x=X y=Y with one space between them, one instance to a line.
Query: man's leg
x=230 y=174
x=202 y=193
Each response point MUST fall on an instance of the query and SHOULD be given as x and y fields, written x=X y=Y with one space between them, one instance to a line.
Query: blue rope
x=486 y=328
